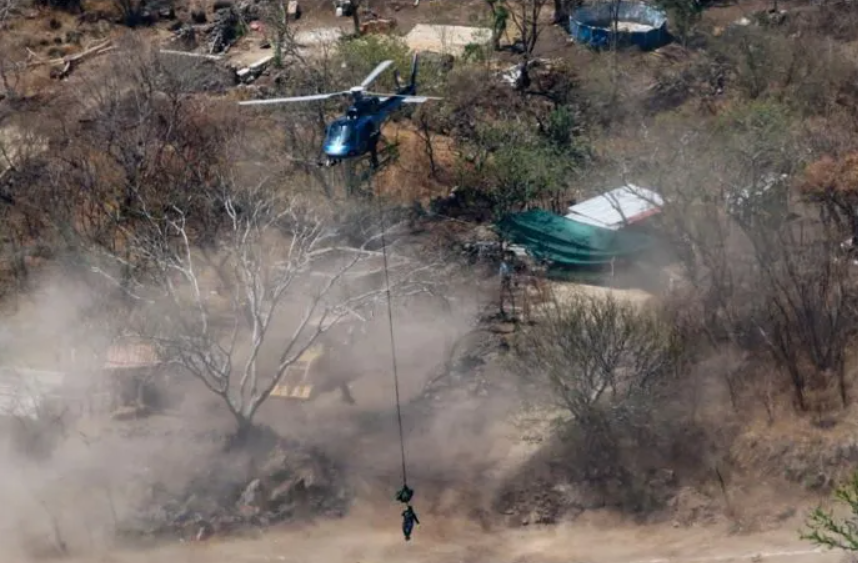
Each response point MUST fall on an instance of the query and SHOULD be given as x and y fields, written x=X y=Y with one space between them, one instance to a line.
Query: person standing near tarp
x=505 y=272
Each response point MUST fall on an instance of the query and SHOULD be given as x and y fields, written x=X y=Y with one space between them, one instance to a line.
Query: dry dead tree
x=277 y=257
x=593 y=349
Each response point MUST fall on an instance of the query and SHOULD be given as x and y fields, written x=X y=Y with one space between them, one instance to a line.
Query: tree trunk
x=561 y=14
x=429 y=149
x=243 y=433
x=356 y=17
x=841 y=382
x=798 y=387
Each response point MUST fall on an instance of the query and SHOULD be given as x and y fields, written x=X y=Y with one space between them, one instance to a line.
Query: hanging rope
x=405 y=488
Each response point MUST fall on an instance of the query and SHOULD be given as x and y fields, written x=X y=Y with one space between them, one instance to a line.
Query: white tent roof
x=617 y=208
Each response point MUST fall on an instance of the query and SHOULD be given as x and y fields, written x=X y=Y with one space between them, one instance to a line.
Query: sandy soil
x=370 y=536
x=446 y=39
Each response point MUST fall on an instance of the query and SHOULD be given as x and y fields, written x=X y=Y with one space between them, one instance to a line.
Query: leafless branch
x=268 y=263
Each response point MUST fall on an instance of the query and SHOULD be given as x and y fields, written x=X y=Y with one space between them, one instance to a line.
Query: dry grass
x=410 y=177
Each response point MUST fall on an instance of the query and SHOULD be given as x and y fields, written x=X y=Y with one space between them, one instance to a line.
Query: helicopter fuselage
x=357 y=133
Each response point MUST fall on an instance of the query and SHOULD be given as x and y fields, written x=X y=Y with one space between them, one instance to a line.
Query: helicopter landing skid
x=328 y=162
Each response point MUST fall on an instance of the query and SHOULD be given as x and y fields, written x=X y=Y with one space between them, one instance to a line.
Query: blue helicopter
x=357 y=132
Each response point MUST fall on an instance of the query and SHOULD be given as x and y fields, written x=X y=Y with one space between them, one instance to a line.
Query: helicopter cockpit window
x=339 y=133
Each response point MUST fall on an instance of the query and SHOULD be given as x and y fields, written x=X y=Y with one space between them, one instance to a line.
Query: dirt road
x=367 y=538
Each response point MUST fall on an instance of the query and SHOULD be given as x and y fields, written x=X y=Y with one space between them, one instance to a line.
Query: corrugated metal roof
x=131 y=356
x=617 y=208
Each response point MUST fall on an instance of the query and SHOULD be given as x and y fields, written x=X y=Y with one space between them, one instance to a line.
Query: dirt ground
x=372 y=534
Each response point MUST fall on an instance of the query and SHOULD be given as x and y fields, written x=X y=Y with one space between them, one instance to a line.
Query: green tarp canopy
x=568 y=243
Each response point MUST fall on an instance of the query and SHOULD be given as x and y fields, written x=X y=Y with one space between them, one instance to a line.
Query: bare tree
x=526 y=18
x=276 y=19
x=356 y=6
x=595 y=349
x=764 y=269
x=810 y=309
x=831 y=183
x=141 y=145
x=278 y=260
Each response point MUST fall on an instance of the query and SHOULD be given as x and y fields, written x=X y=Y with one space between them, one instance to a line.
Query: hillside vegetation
x=138 y=200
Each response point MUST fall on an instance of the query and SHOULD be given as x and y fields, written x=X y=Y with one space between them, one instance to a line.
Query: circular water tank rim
x=629 y=11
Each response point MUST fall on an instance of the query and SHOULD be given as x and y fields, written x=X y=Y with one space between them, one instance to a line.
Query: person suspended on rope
x=409 y=518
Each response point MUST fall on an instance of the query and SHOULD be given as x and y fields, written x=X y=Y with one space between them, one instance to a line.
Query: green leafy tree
x=361 y=55
x=516 y=167
x=526 y=174
x=827 y=530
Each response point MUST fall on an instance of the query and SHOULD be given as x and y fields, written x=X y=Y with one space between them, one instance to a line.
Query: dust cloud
x=96 y=477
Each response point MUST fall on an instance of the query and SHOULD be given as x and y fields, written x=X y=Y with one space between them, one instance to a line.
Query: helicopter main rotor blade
x=292 y=99
x=405 y=98
x=374 y=74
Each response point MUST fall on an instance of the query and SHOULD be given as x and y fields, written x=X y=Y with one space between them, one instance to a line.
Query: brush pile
x=290 y=482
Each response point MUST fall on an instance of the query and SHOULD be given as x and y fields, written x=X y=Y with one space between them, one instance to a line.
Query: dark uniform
x=506 y=284
x=409 y=518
